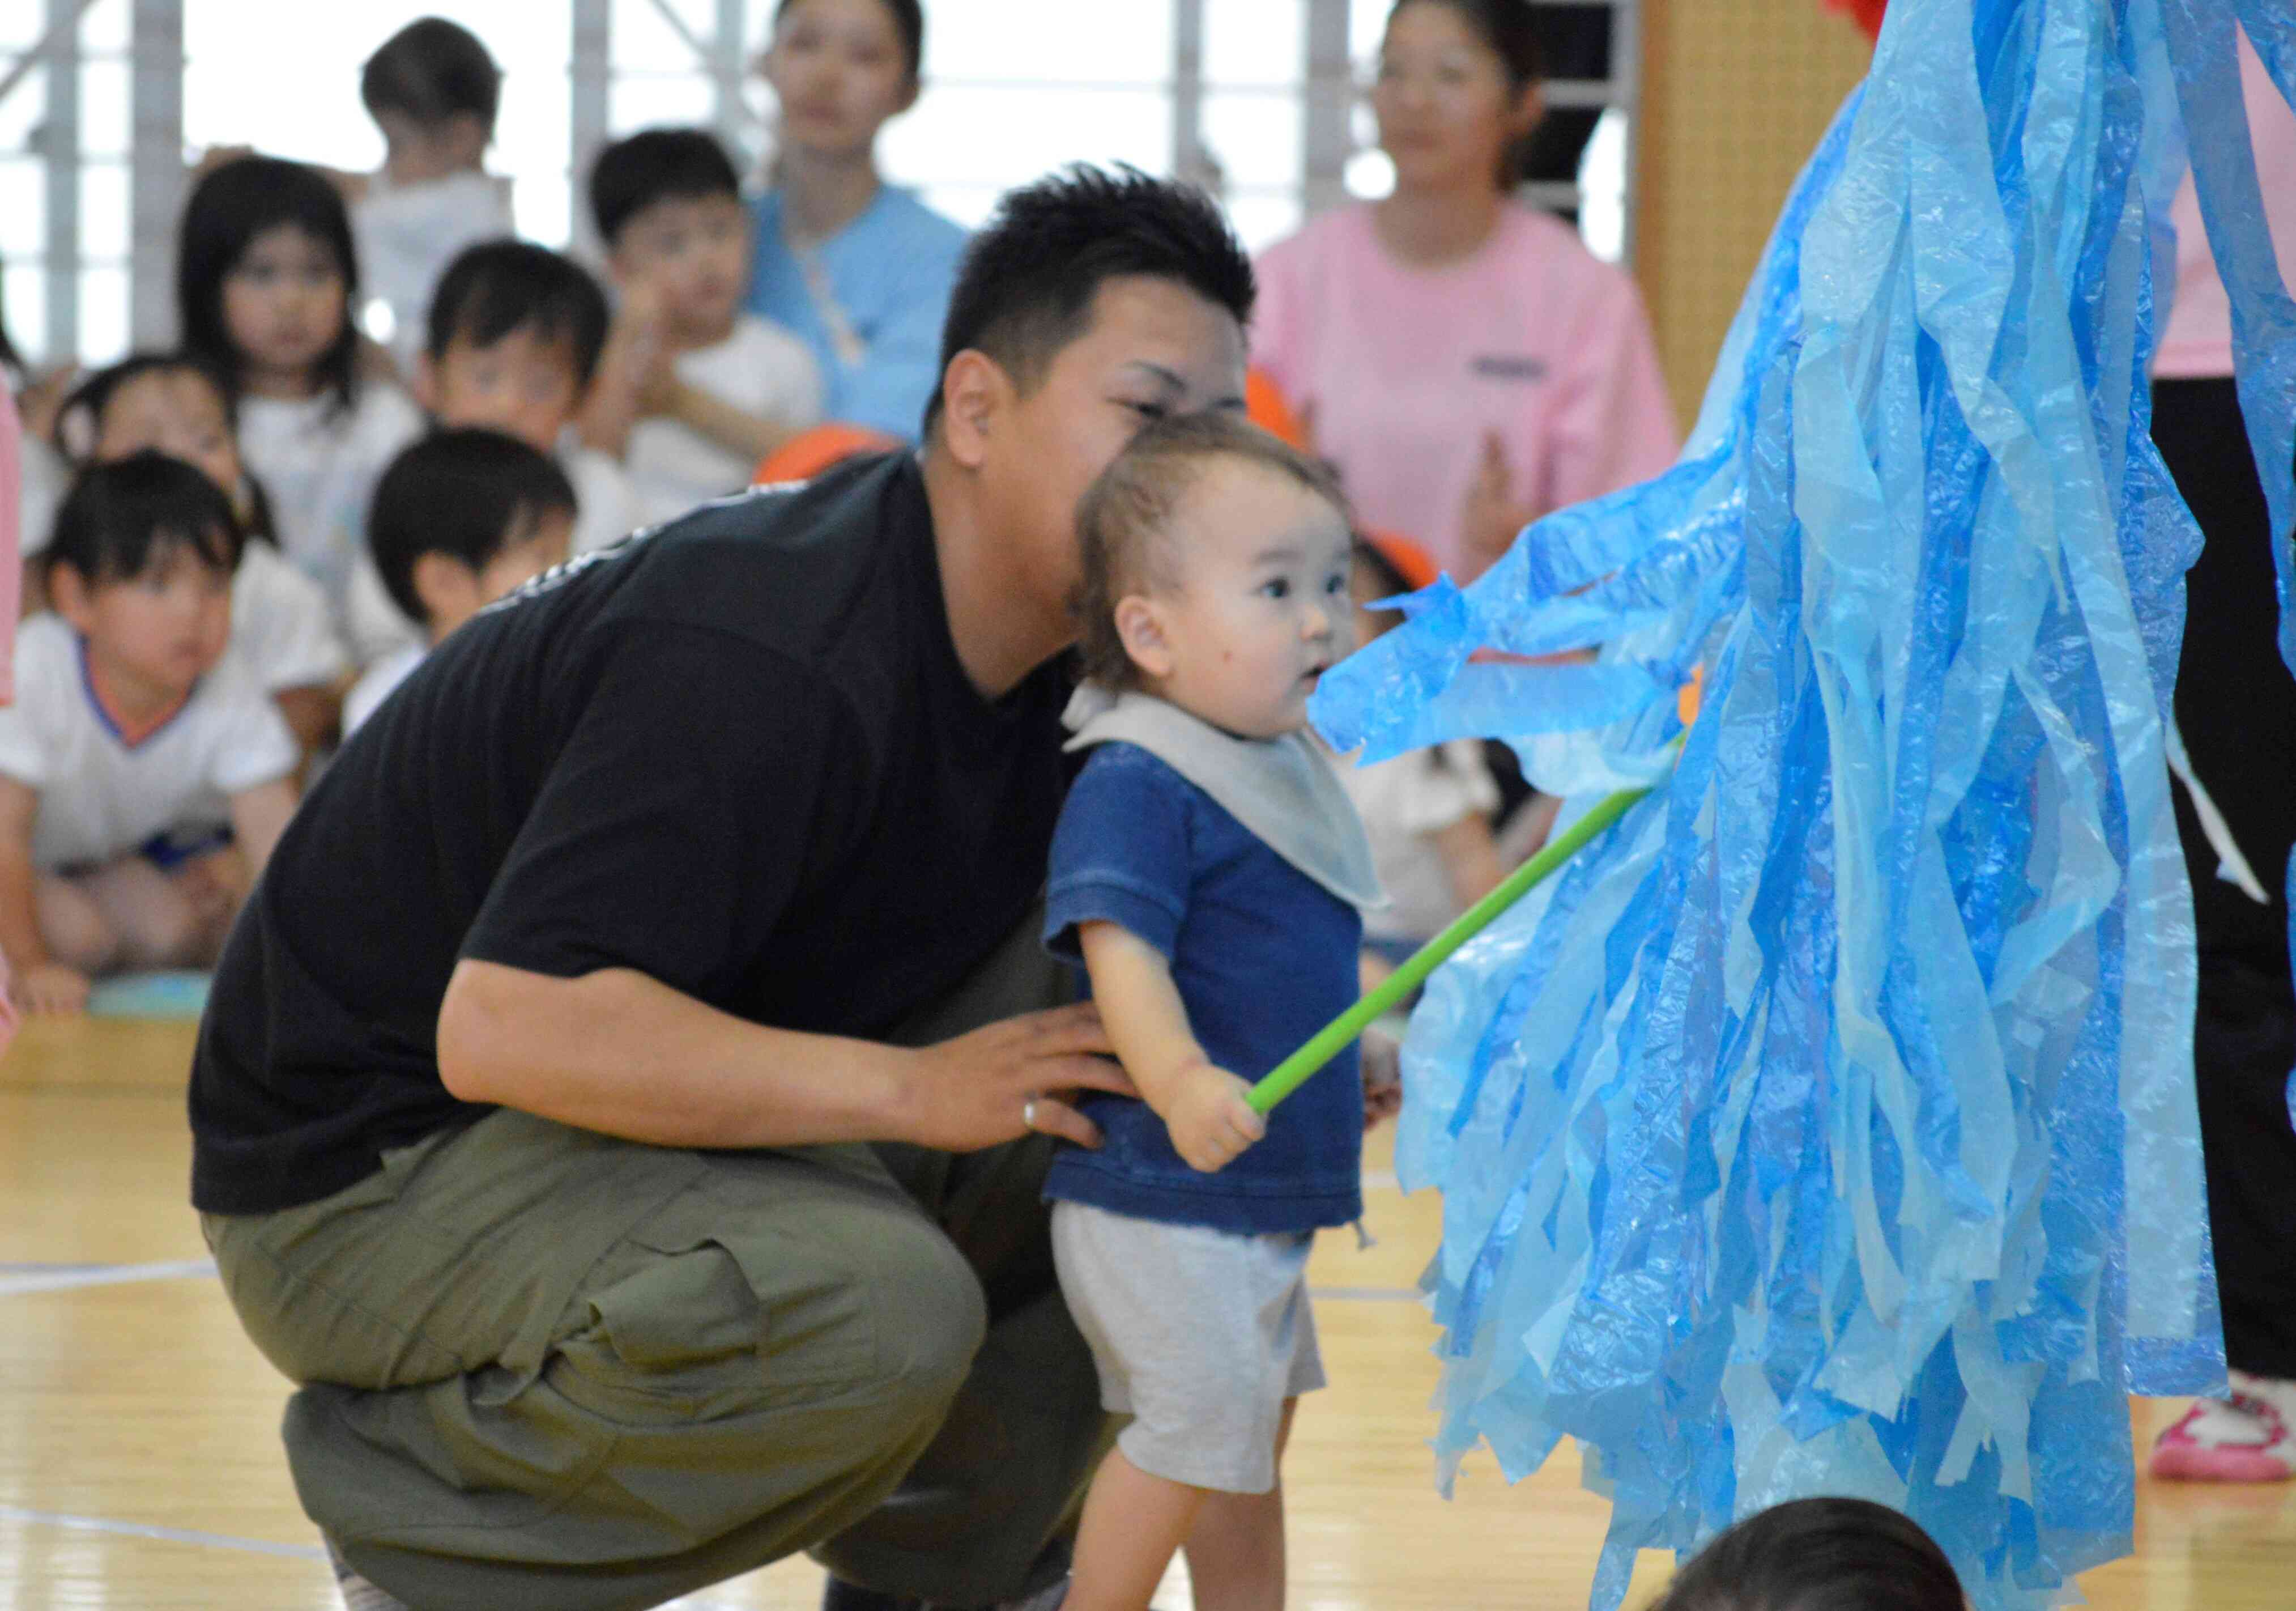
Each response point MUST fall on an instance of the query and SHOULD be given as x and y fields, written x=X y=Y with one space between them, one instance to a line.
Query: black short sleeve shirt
x=738 y=755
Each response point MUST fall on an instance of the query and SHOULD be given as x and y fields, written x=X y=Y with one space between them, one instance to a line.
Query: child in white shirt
x=432 y=89
x=266 y=279
x=694 y=391
x=280 y=628
x=461 y=518
x=134 y=735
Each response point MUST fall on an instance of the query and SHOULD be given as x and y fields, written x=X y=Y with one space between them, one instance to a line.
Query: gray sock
x=359 y=1594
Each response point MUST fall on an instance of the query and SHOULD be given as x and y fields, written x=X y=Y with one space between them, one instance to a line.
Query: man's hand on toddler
x=1383 y=1078
x=1210 y=1121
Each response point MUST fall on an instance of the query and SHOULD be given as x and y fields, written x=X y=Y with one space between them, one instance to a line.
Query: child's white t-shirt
x=761 y=369
x=409 y=234
x=1403 y=802
x=320 y=464
x=102 y=798
x=608 y=504
x=376 y=682
x=280 y=627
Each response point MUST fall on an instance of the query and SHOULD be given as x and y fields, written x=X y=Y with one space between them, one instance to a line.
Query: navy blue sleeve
x=1121 y=853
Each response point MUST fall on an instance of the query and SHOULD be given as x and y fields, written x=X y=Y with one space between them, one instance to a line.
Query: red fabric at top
x=1868 y=13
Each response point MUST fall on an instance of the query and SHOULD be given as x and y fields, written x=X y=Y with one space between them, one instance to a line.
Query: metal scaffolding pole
x=1188 y=157
x=155 y=176
x=1328 y=107
x=589 y=68
x=59 y=148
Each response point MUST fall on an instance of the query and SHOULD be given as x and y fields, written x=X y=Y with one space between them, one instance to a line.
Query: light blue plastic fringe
x=1828 y=1127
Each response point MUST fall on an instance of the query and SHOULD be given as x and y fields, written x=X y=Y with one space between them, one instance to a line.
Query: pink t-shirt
x=2197 y=344
x=1406 y=369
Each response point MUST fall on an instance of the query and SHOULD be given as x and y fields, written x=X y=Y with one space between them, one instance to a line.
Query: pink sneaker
x=2244 y=1439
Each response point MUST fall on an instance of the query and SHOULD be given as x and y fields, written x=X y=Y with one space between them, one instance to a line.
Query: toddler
x=135 y=741
x=460 y=519
x=695 y=392
x=431 y=88
x=265 y=276
x=1209 y=870
x=280 y=627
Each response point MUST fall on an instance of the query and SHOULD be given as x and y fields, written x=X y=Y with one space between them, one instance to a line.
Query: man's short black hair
x=430 y=70
x=499 y=286
x=121 y=516
x=657 y=165
x=466 y=493
x=1026 y=288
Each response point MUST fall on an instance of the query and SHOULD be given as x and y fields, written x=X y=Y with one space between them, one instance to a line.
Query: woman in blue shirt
x=860 y=270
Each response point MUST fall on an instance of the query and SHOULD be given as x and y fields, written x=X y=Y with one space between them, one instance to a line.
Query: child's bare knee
x=74 y=929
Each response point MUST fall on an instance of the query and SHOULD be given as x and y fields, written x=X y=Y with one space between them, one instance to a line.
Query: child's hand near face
x=1210 y=1121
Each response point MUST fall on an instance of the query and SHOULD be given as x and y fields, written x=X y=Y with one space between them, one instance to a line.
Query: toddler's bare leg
x=1133 y=1525
x=73 y=925
x=1235 y=1549
x=159 y=922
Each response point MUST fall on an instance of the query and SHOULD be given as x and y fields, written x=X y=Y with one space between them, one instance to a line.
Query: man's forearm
x=624 y=1055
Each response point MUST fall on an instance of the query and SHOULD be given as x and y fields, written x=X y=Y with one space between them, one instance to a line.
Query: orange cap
x=808 y=453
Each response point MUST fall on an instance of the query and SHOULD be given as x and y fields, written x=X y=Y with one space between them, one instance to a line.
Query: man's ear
x=71 y=598
x=1140 y=627
x=975 y=396
x=425 y=383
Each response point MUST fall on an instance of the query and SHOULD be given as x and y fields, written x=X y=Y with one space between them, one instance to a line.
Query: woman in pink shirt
x=1466 y=361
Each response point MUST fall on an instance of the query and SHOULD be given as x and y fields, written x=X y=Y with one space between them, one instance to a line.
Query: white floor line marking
x=66 y=1277
x=172 y=1535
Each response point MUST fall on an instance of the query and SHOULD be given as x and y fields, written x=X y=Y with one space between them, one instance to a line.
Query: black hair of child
x=1818 y=1555
x=430 y=70
x=1512 y=30
x=121 y=516
x=908 y=21
x=499 y=286
x=657 y=165
x=227 y=210
x=1026 y=287
x=94 y=395
x=467 y=493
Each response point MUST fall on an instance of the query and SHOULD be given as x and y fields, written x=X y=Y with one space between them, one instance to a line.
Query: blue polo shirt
x=1263 y=957
x=892 y=269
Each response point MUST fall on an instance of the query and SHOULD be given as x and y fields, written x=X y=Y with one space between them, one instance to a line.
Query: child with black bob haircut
x=432 y=89
x=460 y=519
x=265 y=278
x=135 y=741
x=694 y=390
x=1818 y=1555
x=515 y=337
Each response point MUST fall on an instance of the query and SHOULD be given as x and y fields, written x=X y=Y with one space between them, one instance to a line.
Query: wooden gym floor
x=139 y=1465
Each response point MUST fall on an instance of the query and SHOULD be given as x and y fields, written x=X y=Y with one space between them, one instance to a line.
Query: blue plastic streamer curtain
x=1828 y=1127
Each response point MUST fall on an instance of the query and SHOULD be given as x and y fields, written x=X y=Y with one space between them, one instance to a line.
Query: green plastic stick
x=1334 y=1037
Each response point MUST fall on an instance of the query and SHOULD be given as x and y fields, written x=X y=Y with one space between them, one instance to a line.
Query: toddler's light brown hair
x=1124 y=520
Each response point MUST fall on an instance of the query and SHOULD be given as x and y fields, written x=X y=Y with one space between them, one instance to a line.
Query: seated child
x=1818 y=1555
x=460 y=519
x=431 y=88
x=693 y=391
x=1209 y=870
x=280 y=627
x=266 y=278
x=1428 y=813
x=514 y=335
x=134 y=741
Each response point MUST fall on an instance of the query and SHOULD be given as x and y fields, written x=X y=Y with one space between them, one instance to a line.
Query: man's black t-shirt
x=740 y=756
